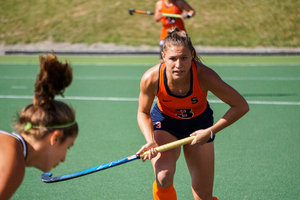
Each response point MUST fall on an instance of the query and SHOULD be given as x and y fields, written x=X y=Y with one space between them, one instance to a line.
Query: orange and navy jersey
x=169 y=22
x=186 y=106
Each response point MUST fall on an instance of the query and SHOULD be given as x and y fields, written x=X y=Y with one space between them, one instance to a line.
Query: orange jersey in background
x=169 y=22
x=186 y=106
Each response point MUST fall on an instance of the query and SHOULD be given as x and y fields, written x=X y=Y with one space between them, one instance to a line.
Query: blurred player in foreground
x=44 y=130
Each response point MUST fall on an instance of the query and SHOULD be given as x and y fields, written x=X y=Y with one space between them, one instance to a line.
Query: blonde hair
x=179 y=38
x=46 y=112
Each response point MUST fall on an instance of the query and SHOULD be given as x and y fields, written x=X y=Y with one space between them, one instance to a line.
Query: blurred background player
x=181 y=84
x=44 y=130
x=171 y=7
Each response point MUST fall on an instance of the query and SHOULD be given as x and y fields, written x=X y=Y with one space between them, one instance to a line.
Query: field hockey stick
x=131 y=11
x=47 y=177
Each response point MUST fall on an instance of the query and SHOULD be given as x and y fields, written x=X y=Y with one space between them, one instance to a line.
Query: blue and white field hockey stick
x=47 y=177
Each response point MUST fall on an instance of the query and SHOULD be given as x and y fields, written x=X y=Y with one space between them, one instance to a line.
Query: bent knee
x=165 y=178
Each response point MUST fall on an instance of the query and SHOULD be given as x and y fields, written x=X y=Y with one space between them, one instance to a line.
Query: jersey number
x=158 y=124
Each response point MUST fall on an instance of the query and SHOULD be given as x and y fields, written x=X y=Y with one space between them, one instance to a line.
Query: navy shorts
x=182 y=128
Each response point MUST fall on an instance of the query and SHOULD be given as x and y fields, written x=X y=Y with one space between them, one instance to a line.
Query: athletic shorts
x=182 y=128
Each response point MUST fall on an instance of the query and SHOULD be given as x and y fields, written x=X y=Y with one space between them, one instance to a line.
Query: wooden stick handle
x=171 y=145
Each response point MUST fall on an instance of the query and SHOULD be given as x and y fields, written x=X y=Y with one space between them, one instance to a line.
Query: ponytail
x=46 y=114
x=179 y=38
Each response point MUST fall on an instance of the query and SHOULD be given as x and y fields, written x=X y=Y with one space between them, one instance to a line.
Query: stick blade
x=131 y=11
x=46 y=177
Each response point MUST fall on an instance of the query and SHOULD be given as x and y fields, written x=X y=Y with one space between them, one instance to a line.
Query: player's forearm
x=146 y=127
x=231 y=116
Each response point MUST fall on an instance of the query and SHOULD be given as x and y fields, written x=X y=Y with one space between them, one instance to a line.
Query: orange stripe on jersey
x=169 y=22
x=181 y=107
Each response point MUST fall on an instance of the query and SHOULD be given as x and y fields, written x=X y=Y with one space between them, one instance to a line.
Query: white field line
x=126 y=78
x=254 y=65
x=286 y=103
x=17 y=87
x=261 y=78
x=147 y=64
x=4 y=64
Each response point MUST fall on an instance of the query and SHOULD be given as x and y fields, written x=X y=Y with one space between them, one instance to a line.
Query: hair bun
x=52 y=80
x=172 y=30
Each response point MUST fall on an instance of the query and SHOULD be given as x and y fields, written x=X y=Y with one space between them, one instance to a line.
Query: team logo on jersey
x=185 y=113
x=171 y=20
x=194 y=100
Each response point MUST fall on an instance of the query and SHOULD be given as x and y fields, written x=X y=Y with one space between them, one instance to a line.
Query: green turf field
x=256 y=158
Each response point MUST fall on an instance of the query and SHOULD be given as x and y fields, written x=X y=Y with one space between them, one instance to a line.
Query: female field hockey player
x=181 y=84
x=171 y=7
x=44 y=130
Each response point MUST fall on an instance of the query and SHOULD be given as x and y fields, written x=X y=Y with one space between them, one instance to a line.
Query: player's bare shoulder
x=206 y=76
x=12 y=153
x=204 y=72
x=150 y=78
x=158 y=4
x=151 y=75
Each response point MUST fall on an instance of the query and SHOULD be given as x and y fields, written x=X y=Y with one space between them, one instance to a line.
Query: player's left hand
x=202 y=136
x=184 y=15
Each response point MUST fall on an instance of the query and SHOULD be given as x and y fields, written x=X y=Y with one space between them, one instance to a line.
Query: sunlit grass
x=216 y=23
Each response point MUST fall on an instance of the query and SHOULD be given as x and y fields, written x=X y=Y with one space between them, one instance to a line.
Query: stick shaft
x=152 y=13
x=141 y=12
x=172 y=15
x=47 y=177
x=171 y=145
x=144 y=12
